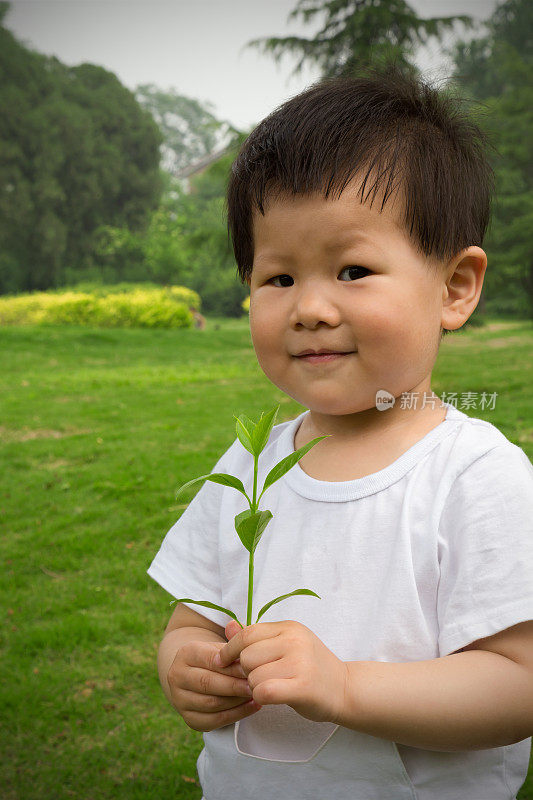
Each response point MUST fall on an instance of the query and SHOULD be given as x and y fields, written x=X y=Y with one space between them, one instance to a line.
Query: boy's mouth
x=321 y=356
x=323 y=353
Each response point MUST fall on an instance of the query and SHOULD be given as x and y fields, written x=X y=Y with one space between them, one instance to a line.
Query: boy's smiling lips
x=322 y=356
x=323 y=352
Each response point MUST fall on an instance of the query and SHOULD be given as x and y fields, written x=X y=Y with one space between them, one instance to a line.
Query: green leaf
x=243 y=436
x=263 y=429
x=207 y=605
x=216 y=477
x=283 y=596
x=250 y=527
x=247 y=423
x=287 y=463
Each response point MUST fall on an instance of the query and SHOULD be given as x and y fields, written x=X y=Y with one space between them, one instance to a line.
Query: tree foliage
x=77 y=152
x=497 y=71
x=80 y=193
x=186 y=243
x=490 y=65
x=357 y=33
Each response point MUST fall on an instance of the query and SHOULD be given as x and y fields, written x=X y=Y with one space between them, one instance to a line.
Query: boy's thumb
x=231 y=629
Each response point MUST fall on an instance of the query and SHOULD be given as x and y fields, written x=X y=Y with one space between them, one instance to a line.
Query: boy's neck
x=367 y=442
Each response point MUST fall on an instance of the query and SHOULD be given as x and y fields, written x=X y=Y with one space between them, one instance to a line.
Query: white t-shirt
x=411 y=563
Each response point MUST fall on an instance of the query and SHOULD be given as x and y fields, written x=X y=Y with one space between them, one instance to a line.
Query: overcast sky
x=197 y=46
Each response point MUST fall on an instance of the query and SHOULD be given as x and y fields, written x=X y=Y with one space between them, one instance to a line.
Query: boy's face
x=341 y=276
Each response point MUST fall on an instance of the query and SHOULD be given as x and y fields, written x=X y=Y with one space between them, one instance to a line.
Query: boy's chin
x=336 y=409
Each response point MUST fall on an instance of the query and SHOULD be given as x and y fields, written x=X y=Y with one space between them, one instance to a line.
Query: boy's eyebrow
x=341 y=243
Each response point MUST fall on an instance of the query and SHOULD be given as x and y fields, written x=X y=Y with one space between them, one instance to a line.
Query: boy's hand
x=286 y=663
x=208 y=696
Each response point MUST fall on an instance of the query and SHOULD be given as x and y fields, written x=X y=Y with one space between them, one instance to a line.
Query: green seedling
x=250 y=524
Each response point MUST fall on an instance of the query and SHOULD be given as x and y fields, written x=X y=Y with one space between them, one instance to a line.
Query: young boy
x=357 y=211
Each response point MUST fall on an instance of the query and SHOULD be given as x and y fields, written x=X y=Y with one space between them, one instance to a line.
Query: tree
x=358 y=33
x=488 y=65
x=77 y=152
x=186 y=243
x=189 y=129
x=213 y=270
x=497 y=71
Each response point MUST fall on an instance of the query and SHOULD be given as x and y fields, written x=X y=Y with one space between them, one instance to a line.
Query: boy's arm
x=472 y=700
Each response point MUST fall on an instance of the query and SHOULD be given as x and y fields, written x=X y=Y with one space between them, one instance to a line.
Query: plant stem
x=250 y=588
x=256 y=458
x=251 y=563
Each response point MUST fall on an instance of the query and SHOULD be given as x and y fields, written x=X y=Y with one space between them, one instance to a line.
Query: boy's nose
x=313 y=305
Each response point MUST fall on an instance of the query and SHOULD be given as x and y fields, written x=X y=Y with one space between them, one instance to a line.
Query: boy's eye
x=354 y=272
x=279 y=277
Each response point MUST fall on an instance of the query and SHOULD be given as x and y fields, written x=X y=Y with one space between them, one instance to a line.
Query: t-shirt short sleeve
x=486 y=549
x=187 y=564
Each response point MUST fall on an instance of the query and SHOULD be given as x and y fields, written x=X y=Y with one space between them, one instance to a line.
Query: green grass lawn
x=97 y=429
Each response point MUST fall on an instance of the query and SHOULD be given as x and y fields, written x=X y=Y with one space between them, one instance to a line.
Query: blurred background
x=121 y=119
x=125 y=348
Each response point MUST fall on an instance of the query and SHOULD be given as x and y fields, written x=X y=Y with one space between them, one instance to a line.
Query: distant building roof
x=204 y=162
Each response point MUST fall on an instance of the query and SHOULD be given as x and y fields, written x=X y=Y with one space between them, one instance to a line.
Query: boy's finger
x=234 y=669
x=237 y=667
x=212 y=683
x=211 y=721
x=232 y=628
x=244 y=638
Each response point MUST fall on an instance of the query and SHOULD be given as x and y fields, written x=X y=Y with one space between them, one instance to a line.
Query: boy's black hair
x=388 y=128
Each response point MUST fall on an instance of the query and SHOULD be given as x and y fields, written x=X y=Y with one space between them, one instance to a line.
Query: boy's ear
x=462 y=287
